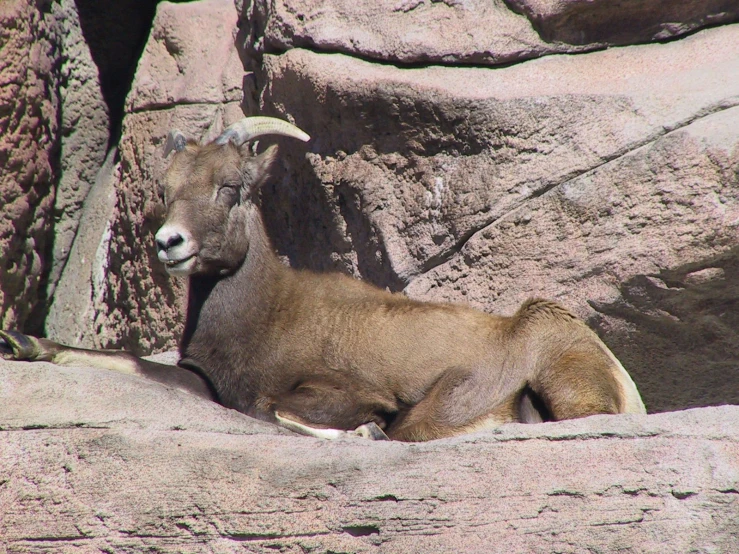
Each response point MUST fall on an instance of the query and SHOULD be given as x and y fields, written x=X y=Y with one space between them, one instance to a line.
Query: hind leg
x=368 y=431
x=578 y=383
x=461 y=401
x=328 y=410
x=578 y=376
x=574 y=373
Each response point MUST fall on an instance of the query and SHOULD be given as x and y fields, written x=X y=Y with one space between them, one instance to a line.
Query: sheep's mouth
x=175 y=263
x=183 y=266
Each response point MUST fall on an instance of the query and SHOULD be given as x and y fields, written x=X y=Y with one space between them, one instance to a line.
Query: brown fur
x=329 y=351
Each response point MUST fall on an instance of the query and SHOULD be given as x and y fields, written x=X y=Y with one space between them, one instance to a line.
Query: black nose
x=172 y=240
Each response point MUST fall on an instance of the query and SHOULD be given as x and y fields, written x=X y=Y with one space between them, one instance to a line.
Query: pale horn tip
x=250 y=128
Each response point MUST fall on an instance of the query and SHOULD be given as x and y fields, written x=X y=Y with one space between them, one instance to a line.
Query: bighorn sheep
x=328 y=355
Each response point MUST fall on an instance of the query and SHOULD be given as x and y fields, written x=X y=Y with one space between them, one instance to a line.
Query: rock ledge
x=92 y=460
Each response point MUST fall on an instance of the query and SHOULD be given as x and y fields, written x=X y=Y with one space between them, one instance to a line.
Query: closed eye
x=228 y=195
x=162 y=192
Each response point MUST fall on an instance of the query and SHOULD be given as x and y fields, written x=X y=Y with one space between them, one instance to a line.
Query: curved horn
x=175 y=141
x=252 y=127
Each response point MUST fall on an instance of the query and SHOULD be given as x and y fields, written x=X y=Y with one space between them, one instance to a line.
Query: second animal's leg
x=20 y=347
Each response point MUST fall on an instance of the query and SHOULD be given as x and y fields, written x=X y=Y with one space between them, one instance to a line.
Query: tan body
x=327 y=350
x=315 y=351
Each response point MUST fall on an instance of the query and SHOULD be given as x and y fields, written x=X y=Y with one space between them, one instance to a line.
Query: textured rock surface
x=100 y=45
x=84 y=133
x=587 y=21
x=443 y=152
x=476 y=31
x=29 y=113
x=607 y=180
x=570 y=177
x=132 y=302
x=116 y=33
x=55 y=135
x=101 y=461
x=79 y=296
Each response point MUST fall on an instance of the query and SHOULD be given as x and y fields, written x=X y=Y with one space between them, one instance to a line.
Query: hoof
x=371 y=431
x=17 y=346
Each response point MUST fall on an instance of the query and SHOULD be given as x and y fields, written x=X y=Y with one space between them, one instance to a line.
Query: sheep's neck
x=223 y=314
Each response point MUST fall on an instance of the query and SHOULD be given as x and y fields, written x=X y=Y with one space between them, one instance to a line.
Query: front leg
x=329 y=408
x=20 y=347
x=368 y=431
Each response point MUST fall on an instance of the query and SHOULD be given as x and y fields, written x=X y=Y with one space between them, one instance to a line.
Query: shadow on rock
x=677 y=333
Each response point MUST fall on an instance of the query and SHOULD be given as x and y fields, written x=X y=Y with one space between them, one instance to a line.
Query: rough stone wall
x=470 y=151
x=445 y=164
x=100 y=53
x=83 y=135
x=486 y=32
x=29 y=124
x=55 y=131
x=600 y=21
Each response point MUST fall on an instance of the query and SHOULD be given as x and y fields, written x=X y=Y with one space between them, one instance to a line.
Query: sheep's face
x=208 y=194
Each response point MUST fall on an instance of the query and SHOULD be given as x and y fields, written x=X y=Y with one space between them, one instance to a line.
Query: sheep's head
x=208 y=191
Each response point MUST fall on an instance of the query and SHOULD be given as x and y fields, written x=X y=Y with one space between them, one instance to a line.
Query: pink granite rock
x=53 y=137
x=190 y=58
x=629 y=22
x=413 y=31
x=103 y=461
x=606 y=180
x=489 y=32
x=28 y=126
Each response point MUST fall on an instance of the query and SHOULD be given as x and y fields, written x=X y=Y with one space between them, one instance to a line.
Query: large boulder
x=109 y=462
x=626 y=22
x=489 y=32
x=83 y=135
x=55 y=128
x=99 y=54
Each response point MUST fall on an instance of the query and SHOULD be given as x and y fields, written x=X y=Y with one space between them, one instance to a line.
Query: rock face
x=84 y=131
x=28 y=130
x=98 y=56
x=489 y=32
x=600 y=21
x=109 y=462
x=56 y=130
x=473 y=32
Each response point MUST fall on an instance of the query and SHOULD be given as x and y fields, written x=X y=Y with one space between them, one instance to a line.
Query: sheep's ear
x=255 y=169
